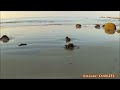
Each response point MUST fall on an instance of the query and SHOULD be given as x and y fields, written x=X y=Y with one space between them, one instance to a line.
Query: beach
x=45 y=57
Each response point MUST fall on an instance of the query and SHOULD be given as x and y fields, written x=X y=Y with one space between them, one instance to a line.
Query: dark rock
x=5 y=38
x=97 y=26
x=103 y=25
x=78 y=25
x=70 y=46
x=22 y=44
x=67 y=39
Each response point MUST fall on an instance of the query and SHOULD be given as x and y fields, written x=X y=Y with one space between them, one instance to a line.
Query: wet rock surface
x=97 y=26
x=78 y=25
x=22 y=44
x=4 y=39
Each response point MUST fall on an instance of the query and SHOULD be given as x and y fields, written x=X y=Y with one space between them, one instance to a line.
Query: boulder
x=5 y=38
x=78 y=25
x=110 y=28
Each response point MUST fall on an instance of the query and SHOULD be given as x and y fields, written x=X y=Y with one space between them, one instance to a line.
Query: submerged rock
x=78 y=25
x=5 y=38
x=22 y=44
x=110 y=28
x=97 y=26
x=118 y=31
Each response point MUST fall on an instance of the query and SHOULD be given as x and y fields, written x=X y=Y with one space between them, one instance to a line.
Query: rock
x=67 y=39
x=110 y=28
x=109 y=31
x=103 y=25
x=78 y=25
x=22 y=44
x=70 y=46
x=118 y=31
x=97 y=26
x=5 y=38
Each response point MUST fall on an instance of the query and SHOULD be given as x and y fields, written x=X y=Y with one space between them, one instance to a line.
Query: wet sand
x=44 y=55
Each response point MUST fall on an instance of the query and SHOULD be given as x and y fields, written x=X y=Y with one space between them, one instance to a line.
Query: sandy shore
x=45 y=56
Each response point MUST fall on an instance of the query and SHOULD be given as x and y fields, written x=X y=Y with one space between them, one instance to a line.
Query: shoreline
x=45 y=56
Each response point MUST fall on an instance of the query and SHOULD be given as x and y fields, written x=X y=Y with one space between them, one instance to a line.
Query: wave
x=31 y=21
x=53 y=21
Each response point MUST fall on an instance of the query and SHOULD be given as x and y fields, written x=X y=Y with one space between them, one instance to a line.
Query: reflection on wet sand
x=43 y=54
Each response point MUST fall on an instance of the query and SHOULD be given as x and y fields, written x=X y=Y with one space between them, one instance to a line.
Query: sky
x=19 y=14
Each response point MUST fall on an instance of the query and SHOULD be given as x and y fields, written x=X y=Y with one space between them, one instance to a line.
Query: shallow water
x=44 y=55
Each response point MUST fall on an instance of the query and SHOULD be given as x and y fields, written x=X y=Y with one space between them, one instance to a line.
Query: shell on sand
x=67 y=39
